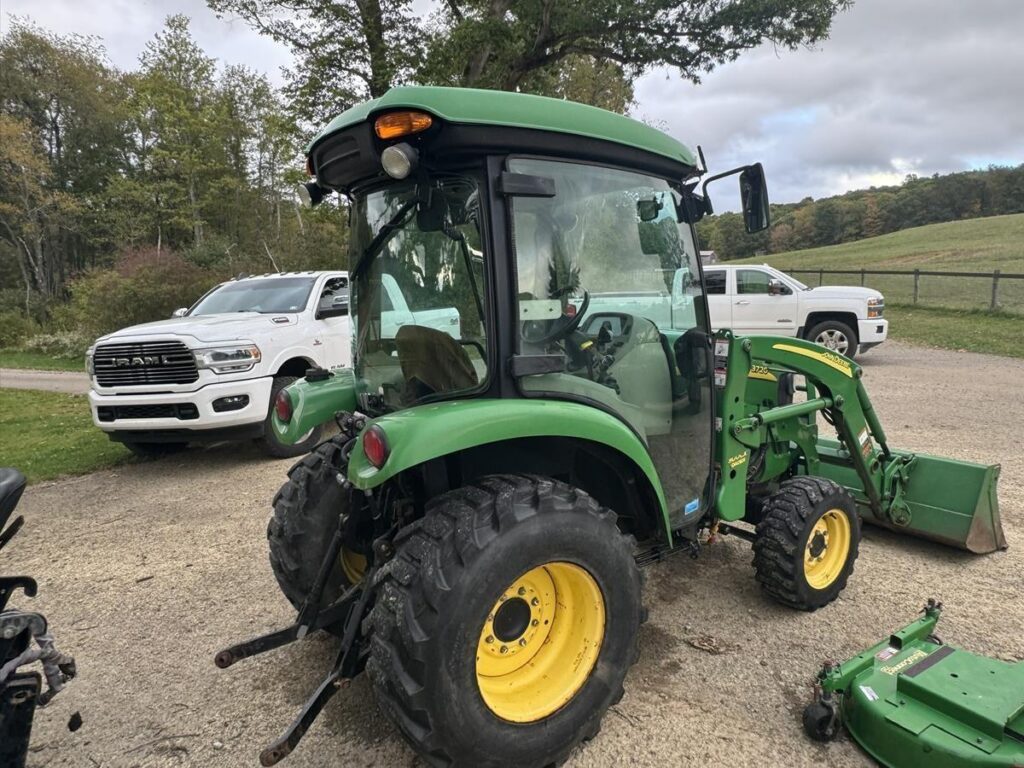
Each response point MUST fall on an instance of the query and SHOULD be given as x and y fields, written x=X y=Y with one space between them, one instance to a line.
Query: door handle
x=742 y=303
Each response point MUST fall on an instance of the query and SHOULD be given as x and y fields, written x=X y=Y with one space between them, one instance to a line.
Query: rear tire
x=306 y=512
x=806 y=542
x=446 y=592
x=271 y=444
x=155 y=450
x=836 y=336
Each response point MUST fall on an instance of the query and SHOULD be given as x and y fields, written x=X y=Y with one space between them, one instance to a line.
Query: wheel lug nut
x=504 y=649
x=522 y=591
x=522 y=641
x=534 y=623
x=535 y=602
x=489 y=639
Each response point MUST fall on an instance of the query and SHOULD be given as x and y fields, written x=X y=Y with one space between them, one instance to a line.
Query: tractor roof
x=517 y=110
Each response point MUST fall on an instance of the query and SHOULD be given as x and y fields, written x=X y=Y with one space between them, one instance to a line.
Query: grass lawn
x=48 y=435
x=951 y=312
x=973 y=245
x=995 y=334
x=16 y=358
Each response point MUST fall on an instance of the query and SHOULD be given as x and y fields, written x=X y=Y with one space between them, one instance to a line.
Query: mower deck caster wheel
x=820 y=722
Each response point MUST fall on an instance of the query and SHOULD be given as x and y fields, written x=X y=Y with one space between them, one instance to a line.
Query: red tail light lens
x=570 y=310
x=375 y=446
x=283 y=406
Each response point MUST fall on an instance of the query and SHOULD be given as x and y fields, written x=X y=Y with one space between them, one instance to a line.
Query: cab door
x=761 y=305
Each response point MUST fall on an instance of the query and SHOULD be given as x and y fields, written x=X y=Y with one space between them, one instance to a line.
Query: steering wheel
x=533 y=331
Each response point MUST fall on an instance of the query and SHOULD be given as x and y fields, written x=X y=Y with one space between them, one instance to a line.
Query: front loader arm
x=937 y=498
x=746 y=427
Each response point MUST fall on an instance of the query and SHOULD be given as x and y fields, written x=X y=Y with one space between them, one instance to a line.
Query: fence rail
x=1003 y=291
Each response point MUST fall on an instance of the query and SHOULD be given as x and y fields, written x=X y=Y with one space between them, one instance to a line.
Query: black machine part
x=24 y=640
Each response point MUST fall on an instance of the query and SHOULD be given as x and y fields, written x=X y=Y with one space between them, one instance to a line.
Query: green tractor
x=537 y=408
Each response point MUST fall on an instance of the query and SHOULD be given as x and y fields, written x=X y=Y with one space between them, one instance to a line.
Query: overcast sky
x=902 y=86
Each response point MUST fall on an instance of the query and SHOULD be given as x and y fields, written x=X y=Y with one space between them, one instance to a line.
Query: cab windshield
x=418 y=297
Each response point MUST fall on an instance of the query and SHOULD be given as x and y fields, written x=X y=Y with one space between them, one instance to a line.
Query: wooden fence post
x=862 y=277
x=821 y=277
x=995 y=291
x=917 y=283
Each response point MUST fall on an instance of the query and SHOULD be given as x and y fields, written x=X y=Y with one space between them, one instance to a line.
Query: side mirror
x=754 y=194
x=777 y=288
x=335 y=310
x=179 y=312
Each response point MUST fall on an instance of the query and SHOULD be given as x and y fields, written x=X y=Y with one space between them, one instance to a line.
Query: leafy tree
x=33 y=213
x=348 y=50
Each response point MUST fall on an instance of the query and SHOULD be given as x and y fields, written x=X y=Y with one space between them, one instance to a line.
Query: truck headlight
x=234 y=359
x=876 y=307
x=89 y=367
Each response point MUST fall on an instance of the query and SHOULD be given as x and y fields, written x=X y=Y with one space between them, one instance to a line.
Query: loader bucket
x=952 y=502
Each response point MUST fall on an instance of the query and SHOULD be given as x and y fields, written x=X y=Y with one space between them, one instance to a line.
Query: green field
x=48 y=435
x=16 y=358
x=973 y=245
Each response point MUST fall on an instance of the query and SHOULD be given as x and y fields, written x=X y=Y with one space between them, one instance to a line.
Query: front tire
x=525 y=564
x=806 y=542
x=271 y=443
x=836 y=336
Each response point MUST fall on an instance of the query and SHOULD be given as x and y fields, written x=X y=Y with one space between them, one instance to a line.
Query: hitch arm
x=346 y=667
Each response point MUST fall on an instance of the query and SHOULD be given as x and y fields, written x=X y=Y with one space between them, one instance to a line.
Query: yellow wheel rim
x=540 y=642
x=353 y=565
x=828 y=546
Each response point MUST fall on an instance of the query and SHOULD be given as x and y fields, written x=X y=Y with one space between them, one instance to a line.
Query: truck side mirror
x=179 y=312
x=777 y=288
x=754 y=194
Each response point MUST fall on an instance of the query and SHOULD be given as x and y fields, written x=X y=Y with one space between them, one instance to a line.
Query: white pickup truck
x=758 y=299
x=212 y=371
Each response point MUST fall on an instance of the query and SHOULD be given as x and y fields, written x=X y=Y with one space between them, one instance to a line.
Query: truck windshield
x=417 y=298
x=265 y=295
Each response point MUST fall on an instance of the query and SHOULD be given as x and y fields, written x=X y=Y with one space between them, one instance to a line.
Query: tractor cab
x=510 y=246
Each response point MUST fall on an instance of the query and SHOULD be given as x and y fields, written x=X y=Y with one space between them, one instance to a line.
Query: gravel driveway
x=146 y=571
x=48 y=381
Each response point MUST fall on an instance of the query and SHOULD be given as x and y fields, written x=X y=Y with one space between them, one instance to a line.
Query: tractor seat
x=433 y=359
x=12 y=483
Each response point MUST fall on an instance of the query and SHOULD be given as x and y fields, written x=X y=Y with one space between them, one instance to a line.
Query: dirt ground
x=147 y=570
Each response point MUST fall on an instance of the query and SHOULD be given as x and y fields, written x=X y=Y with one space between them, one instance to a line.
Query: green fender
x=316 y=402
x=426 y=432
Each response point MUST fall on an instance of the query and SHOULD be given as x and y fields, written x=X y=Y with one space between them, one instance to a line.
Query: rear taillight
x=283 y=406
x=375 y=446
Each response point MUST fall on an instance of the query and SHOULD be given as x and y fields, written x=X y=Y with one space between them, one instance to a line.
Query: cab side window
x=752 y=281
x=715 y=281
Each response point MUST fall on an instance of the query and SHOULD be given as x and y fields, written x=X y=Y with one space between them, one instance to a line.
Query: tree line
x=870 y=212
x=123 y=192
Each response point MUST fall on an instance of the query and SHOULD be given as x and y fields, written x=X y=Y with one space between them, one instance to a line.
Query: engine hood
x=209 y=328
x=843 y=292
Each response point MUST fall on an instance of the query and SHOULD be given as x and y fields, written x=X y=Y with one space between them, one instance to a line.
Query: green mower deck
x=910 y=700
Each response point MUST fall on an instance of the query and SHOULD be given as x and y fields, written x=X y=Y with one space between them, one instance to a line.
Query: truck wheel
x=270 y=442
x=807 y=542
x=505 y=624
x=154 y=450
x=306 y=511
x=834 y=335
